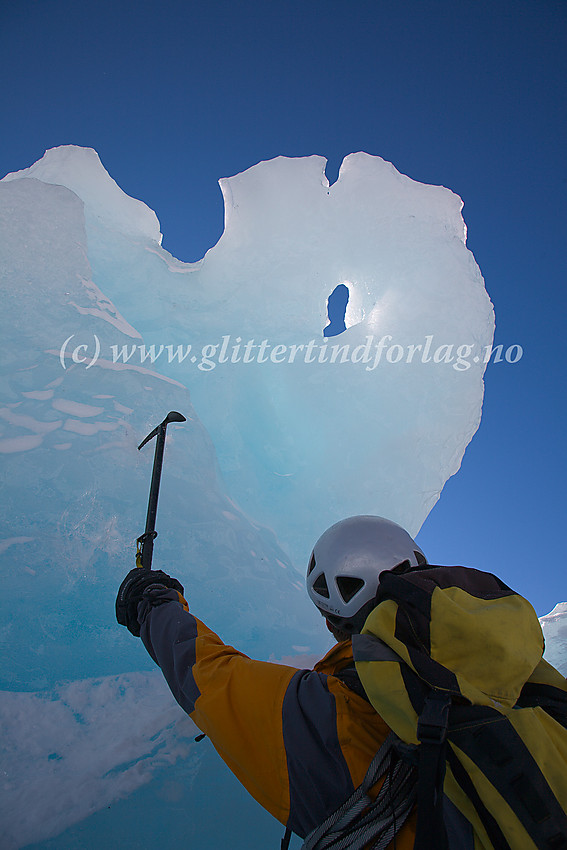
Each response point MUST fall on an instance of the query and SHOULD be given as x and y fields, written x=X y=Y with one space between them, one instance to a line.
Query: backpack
x=451 y=659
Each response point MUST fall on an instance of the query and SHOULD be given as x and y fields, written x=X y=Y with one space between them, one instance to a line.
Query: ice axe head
x=172 y=416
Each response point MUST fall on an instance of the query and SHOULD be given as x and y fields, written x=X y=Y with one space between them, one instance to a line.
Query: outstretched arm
x=234 y=700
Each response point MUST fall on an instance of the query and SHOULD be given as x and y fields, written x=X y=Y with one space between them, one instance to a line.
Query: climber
x=300 y=741
x=429 y=723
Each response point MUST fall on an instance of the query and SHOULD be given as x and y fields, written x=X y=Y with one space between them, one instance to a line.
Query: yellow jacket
x=300 y=741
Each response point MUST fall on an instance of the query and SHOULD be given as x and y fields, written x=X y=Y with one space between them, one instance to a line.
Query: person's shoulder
x=339 y=656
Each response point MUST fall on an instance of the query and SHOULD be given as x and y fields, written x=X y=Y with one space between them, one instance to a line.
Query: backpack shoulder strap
x=349 y=677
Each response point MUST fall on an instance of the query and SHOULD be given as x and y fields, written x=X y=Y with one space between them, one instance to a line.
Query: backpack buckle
x=433 y=720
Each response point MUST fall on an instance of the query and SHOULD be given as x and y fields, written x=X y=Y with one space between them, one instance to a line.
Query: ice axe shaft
x=146 y=540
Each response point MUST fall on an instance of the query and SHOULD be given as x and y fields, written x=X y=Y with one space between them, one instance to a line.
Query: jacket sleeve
x=235 y=701
x=298 y=740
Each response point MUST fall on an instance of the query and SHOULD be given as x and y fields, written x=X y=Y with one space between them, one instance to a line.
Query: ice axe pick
x=145 y=543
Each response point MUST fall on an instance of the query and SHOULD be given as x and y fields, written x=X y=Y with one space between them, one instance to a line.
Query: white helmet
x=346 y=562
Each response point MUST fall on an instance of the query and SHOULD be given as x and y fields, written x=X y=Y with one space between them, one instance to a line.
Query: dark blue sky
x=468 y=94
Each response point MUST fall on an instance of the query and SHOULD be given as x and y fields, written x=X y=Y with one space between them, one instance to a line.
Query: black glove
x=132 y=591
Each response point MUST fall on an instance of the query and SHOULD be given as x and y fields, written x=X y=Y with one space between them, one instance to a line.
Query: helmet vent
x=311 y=566
x=320 y=586
x=420 y=558
x=349 y=586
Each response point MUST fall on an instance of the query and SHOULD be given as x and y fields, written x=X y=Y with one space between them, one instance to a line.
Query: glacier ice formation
x=279 y=427
x=283 y=438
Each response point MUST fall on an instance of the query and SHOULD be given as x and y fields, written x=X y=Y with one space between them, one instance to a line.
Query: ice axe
x=145 y=543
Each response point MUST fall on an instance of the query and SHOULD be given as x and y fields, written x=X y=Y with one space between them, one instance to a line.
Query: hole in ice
x=336 y=310
x=332 y=171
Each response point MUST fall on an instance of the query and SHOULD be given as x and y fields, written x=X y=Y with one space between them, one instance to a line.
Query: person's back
x=312 y=746
x=300 y=741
